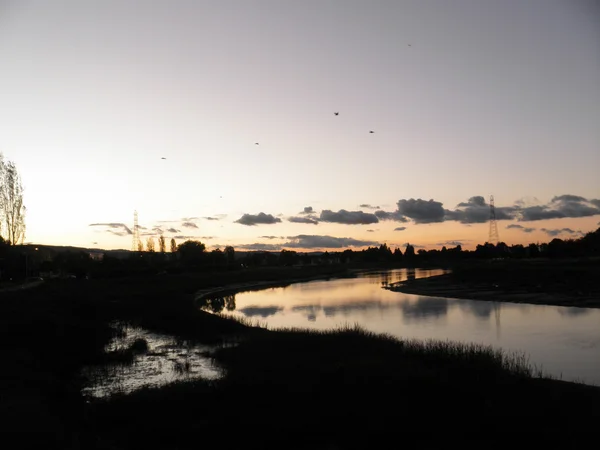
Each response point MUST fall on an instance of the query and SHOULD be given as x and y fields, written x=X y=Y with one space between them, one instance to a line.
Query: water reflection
x=265 y=311
x=424 y=309
x=560 y=340
x=218 y=303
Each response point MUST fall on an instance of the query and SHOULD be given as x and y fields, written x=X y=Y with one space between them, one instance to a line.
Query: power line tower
x=493 y=239
x=136 y=233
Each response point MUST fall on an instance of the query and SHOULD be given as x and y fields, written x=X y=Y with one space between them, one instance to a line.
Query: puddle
x=165 y=361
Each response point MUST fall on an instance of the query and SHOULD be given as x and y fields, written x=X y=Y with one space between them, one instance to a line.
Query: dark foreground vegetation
x=282 y=389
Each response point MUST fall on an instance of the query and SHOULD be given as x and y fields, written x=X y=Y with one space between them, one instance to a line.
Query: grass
x=283 y=388
x=349 y=387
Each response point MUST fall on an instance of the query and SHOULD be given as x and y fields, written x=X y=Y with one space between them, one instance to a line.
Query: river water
x=563 y=342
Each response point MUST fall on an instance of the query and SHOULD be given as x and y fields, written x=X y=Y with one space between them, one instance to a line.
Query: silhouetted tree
x=173 y=245
x=161 y=244
x=12 y=209
x=409 y=252
x=288 y=257
x=140 y=246
x=192 y=252
x=229 y=254
x=150 y=244
x=533 y=250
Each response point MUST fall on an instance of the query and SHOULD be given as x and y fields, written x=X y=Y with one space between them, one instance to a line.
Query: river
x=563 y=342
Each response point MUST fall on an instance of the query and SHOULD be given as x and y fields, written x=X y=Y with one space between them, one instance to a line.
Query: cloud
x=395 y=216
x=114 y=225
x=211 y=218
x=189 y=219
x=296 y=219
x=181 y=236
x=118 y=233
x=557 y=231
x=519 y=227
x=260 y=218
x=400 y=229
x=189 y=225
x=421 y=211
x=307 y=210
x=370 y=231
x=260 y=247
x=271 y=237
x=314 y=241
x=561 y=206
x=476 y=210
x=367 y=206
x=173 y=230
x=454 y=243
x=348 y=217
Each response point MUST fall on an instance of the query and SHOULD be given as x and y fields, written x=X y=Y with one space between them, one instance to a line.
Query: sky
x=215 y=121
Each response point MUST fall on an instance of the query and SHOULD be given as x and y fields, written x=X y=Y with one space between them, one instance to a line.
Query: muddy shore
x=447 y=286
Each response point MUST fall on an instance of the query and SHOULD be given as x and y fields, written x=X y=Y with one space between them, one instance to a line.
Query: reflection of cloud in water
x=425 y=308
x=332 y=310
x=480 y=309
x=262 y=311
x=573 y=312
x=310 y=311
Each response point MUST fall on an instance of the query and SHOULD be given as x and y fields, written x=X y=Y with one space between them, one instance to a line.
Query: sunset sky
x=465 y=98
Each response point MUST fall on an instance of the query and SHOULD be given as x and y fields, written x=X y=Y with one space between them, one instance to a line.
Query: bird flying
x=336 y=113
x=371 y=131
x=163 y=158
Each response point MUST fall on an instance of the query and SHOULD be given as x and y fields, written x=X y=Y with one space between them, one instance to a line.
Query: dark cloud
x=208 y=238
x=211 y=218
x=526 y=201
x=114 y=225
x=395 y=216
x=271 y=237
x=568 y=198
x=173 y=230
x=260 y=247
x=557 y=231
x=118 y=233
x=180 y=236
x=348 y=217
x=367 y=206
x=296 y=219
x=260 y=218
x=476 y=210
x=519 y=227
x=314 y=241
x=307 y=210
x=400 y=229
x=421 y=211
x=561 y=206
x=453 y=243
x=189 y=225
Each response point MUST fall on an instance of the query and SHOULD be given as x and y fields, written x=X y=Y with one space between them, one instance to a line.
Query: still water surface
x=563 y=342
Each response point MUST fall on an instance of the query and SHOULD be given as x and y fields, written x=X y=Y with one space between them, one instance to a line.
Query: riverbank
x=283 y=389
x=571 y=283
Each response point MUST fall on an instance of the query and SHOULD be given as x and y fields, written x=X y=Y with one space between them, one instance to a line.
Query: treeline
x=17 y=262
